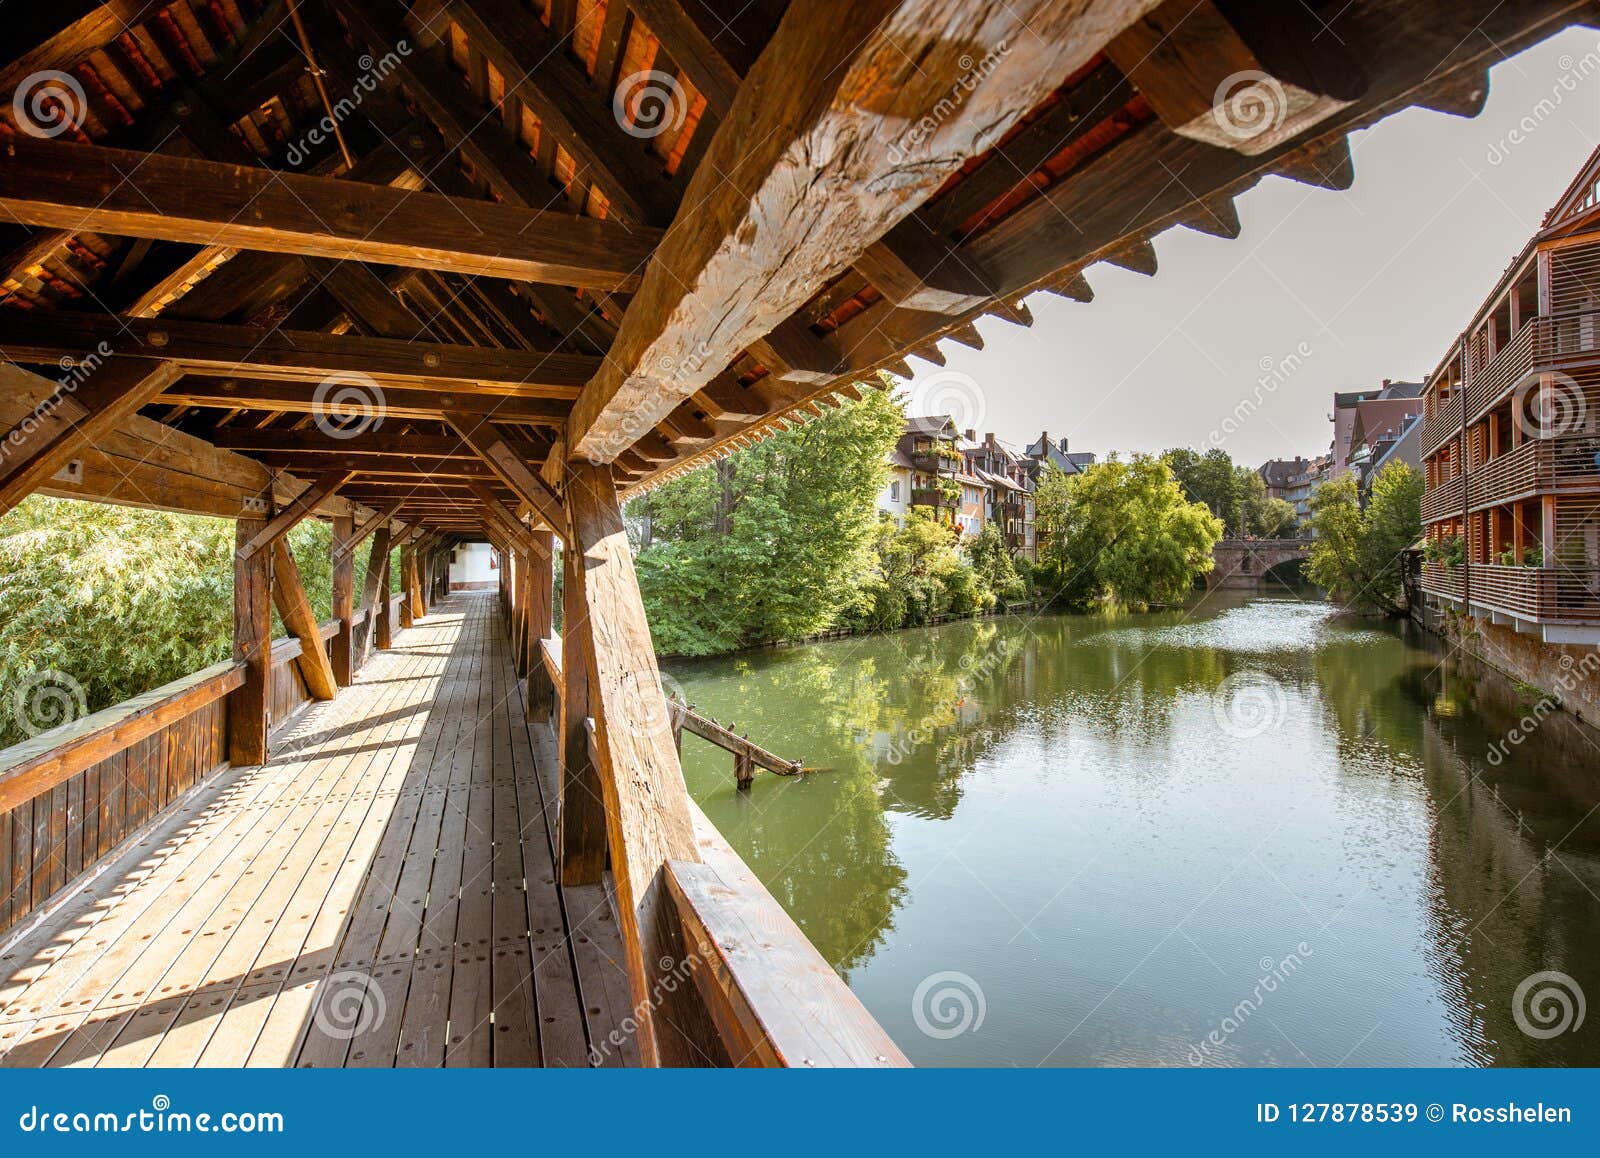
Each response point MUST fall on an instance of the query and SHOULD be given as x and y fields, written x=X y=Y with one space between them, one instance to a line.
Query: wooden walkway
x=381 y=893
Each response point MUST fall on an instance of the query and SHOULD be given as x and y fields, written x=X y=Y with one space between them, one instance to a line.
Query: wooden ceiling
x=637 y=231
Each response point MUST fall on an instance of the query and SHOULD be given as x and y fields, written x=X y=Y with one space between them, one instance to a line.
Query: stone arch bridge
x=1243 y=563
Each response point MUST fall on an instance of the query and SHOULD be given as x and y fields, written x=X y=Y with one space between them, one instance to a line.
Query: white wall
x=895 y=497
x=470 y=565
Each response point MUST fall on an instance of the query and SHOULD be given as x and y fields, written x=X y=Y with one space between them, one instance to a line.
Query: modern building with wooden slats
x=478 y=270
x=1511 y=439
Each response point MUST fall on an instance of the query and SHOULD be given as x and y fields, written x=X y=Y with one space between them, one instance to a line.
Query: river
x=1245 y=832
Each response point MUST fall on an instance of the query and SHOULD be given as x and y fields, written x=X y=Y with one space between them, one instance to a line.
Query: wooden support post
x=295 y=610
x=344 y=575
x=744 y=770
x=519 y=610
x=307 y=501
x=414 y=584
x=252 y=643
x=583 y=817
x=408 y=567
x=371 y=587
x=647 y=815
x=541 y=615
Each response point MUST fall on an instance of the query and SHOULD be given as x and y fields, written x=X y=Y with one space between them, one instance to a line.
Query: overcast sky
x=1375 y=281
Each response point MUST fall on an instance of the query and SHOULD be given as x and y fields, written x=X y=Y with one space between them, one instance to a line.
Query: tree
x=1211 y=479
x=992 y=562
x=1124 y=531
x=1356 y=553
x=772 y=542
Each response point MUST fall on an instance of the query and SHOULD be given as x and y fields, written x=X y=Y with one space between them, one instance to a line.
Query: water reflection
x=1065 y=810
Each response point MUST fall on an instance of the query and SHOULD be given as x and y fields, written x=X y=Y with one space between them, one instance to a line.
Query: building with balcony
x=1510 y=440
x=930 y=445
x=1010 y=491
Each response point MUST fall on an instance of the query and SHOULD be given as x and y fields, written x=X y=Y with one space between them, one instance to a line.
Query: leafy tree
x=1210 y=478
x=772 y=542
x=1356 y=554
x=1124 y=531
x=996 y=570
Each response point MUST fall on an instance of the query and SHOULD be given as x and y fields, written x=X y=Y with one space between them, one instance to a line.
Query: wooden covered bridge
x=466 y=270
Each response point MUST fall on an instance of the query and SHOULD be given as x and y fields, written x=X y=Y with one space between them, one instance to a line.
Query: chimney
x=1063 y=446
x=988 y=438
x=969 y=434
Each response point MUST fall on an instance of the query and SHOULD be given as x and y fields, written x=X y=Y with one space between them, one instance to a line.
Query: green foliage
x=118 y=599
x=995 y=569
x=917 y=575
x=123 y=600
x=1235 y=494
x=1122 y=531
x=1356 y=555
x=774 y=541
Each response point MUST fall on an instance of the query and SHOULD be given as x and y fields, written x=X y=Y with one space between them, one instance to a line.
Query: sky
x=1323 y=290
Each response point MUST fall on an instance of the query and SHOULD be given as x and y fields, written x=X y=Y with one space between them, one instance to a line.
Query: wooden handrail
x=775 y=1000
x=39 y=764
x=285 y=649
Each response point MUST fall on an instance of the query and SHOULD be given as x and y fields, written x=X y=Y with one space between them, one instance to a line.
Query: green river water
x=1241 y=833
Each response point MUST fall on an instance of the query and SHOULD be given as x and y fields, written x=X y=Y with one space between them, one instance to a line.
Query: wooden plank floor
x=381 y=893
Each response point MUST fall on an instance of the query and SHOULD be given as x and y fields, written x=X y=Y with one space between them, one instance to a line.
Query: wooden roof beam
x=397 y=403
x=821 y=154
x=321 y=488
x=66 y=185
x=211 y=349
x=480 y=434
x=1248 y=83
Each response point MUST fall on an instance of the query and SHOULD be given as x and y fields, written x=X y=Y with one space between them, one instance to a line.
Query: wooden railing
x=772 y=999
x=71 y=795
x=1442 y=424
x=1557 y=594
x=1437 y=579
x=1541 y=466
x=1442 y=501
x=1543 y=344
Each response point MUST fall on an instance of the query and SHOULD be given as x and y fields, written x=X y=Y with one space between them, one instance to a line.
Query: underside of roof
x=439 y=245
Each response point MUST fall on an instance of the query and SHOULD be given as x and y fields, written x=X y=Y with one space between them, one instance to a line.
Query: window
x=894 y=490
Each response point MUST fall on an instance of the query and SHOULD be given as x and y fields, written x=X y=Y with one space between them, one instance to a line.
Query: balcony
x=1544 y=344
x=1537 y=594
x=1441 y=425
x=1543 y=466
x=1442 y=501
x=929 y=497
x=931 y=462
